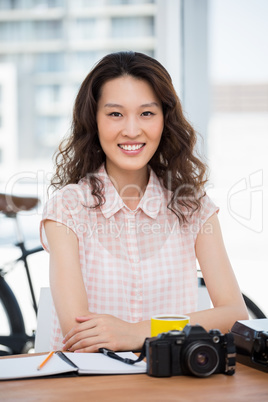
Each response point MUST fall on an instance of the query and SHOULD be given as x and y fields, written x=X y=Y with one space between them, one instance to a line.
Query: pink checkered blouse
x=135 y=264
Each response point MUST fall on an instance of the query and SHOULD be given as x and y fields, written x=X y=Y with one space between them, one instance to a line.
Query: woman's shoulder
x=72 y=194
x=208 y=205
x=206 y=210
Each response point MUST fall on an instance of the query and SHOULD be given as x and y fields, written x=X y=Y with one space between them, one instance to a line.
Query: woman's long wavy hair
x=175 y=162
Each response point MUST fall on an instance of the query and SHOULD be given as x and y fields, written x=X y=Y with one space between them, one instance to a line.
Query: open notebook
x=63 y=363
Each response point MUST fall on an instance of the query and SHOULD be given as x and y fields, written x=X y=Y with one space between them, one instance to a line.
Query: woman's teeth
x=130 y=147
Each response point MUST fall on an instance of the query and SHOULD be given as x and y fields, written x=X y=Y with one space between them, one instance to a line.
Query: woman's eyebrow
x=150 y=104
x=143 y=105
x=112 y=105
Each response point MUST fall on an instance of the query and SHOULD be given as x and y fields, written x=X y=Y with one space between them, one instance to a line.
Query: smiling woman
x=130 y=215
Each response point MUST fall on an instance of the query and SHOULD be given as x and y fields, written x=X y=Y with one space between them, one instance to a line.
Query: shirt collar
x=150 y=203
x=153 y=196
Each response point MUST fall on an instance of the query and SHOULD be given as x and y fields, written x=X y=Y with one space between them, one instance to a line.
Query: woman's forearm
x=221 y=318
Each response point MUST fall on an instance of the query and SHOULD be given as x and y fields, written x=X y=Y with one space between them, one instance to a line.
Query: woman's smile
x=131 y=148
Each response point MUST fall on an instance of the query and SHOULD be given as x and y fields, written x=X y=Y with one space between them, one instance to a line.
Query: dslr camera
x=193 y=351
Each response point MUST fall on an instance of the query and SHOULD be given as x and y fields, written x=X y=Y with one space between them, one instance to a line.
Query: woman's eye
x=116 y=114
x=147 y=114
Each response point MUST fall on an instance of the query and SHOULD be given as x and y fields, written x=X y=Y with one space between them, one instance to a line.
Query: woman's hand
x=96 y=331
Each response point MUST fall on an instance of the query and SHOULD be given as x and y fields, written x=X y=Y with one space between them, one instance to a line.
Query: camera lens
x=201 y=359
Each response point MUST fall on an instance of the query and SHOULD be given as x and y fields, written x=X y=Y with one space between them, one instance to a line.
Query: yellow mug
x=168 y=322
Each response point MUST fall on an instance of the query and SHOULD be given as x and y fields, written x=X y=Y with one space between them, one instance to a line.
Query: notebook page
x=26 y=367
x=98 y=363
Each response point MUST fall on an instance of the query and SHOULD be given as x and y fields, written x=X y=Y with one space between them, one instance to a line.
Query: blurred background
x=217 y=54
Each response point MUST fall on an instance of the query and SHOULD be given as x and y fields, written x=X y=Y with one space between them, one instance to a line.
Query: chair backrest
x=44 y=321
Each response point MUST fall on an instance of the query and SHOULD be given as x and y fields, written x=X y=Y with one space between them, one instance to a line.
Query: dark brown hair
x=175 y=161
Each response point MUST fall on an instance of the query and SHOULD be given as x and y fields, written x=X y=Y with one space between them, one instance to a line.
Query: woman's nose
x=131 y=128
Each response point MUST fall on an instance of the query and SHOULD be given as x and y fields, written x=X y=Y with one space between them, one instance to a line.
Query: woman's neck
x=130 y=185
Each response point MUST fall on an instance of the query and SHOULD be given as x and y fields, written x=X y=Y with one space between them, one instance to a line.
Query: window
x=132 y=27
x=46 y=95
x=238 y=139
x=15 y=31
x=121 y=2
x=83 y=61
x=21 y=31
x=49 y=62
x=55 y=98
x=27 y=4
x=1 y=107
x=78 y=4
x=47 y=30
x=49 y=130
x=83 y=28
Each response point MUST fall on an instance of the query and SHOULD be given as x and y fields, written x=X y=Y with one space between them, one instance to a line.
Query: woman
x=131 y=216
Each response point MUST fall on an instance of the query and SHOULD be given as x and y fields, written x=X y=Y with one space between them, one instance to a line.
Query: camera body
x=193 y=351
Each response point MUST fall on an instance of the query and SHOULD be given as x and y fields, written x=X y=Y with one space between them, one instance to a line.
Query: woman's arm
x=84 y=331
x=66 y=282
x=220 y=280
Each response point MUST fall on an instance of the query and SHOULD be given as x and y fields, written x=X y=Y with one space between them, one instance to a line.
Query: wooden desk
x=246 y=385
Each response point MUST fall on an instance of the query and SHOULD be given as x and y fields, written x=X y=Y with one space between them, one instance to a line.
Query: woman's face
x=130 y=123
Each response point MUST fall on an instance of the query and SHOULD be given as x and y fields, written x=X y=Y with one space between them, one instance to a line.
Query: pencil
x=46 y=360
